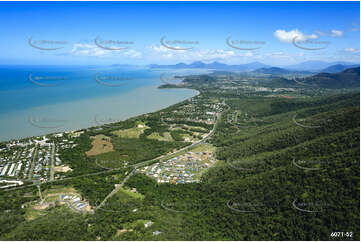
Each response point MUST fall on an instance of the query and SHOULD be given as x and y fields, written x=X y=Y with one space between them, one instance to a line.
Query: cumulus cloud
x=90 y=50
x=195 y=54
x=355 y=26
x=162 y=49
x=288 y=37
x=352 y=50
x=87 y=50
x=336 y=33
x=133 y=54
x=333 y=33
x=320 y=33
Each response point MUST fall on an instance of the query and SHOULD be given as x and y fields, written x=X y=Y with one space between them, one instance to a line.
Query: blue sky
x=330 y=29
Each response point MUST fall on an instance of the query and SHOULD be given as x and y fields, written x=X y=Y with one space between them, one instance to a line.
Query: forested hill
x=288 y=175
x=349 y=78
x=338 y=68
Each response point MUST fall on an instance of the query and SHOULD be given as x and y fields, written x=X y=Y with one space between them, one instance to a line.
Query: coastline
x=109 y=123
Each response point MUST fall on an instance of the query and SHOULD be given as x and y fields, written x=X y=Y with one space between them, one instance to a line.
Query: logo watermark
x=299 y=122
x=122 y=207
x=112 y=44
x=47 y=45
x=42 y=80
x=174 y=44
x=105 y=120
x=242 y=44
x=309 y=206
x=310 y=44
x=253 y=200
x=301 y=83
x=168 y=79
x=112 y=80
x=46 y=123
x=305 y=164
x=179 y=206
x=245 y=207
x=113 y=164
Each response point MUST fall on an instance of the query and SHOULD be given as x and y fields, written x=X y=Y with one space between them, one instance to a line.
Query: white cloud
x=352 y=50
x=87 y=50
x=163 y=49
x=320 y=33
x=355 y=26
x=288 y=37
x=336 y=33
x=333 y=33
x=133 y=54
x=161 y=52
x=90 y=50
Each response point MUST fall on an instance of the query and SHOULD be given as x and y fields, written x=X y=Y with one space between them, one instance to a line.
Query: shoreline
x=99 y=126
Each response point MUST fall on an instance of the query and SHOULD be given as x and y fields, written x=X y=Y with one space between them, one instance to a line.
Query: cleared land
x=126 y=195
x=101 y=144
x=52 y=198
x=62 y=169
x=132 y=132
x=157 y=136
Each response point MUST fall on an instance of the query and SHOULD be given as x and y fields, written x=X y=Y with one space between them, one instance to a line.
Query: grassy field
x=125 y=195
x=204 y=148
x=59 y=190
x=31 y=213
x=132 y=132
x=155 y=135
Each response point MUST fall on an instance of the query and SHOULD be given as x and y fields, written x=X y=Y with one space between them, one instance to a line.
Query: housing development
x=33 y=160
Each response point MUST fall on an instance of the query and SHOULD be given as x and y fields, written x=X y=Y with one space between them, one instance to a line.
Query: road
x=303 y=84
x=52 y=162
x=65 y=179
x=116 y=189
x=40 y=195
x=302 y=125
x=35 y=155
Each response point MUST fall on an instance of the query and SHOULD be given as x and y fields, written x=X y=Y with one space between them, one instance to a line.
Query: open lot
x=101 y=144
x=54 y=197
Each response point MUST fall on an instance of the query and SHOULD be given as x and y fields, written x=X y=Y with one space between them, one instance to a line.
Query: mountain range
x=338 y=68
x=279 y=71
x=214 y=65
x=316 y=66
x=258 y=67
x=349 y=78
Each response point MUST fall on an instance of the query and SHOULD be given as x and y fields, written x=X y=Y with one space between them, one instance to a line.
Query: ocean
x=37 y=100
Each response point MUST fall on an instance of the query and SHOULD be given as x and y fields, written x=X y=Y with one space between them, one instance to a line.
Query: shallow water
x=77 y=100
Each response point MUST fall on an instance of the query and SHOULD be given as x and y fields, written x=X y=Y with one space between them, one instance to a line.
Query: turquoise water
x=36 y=100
